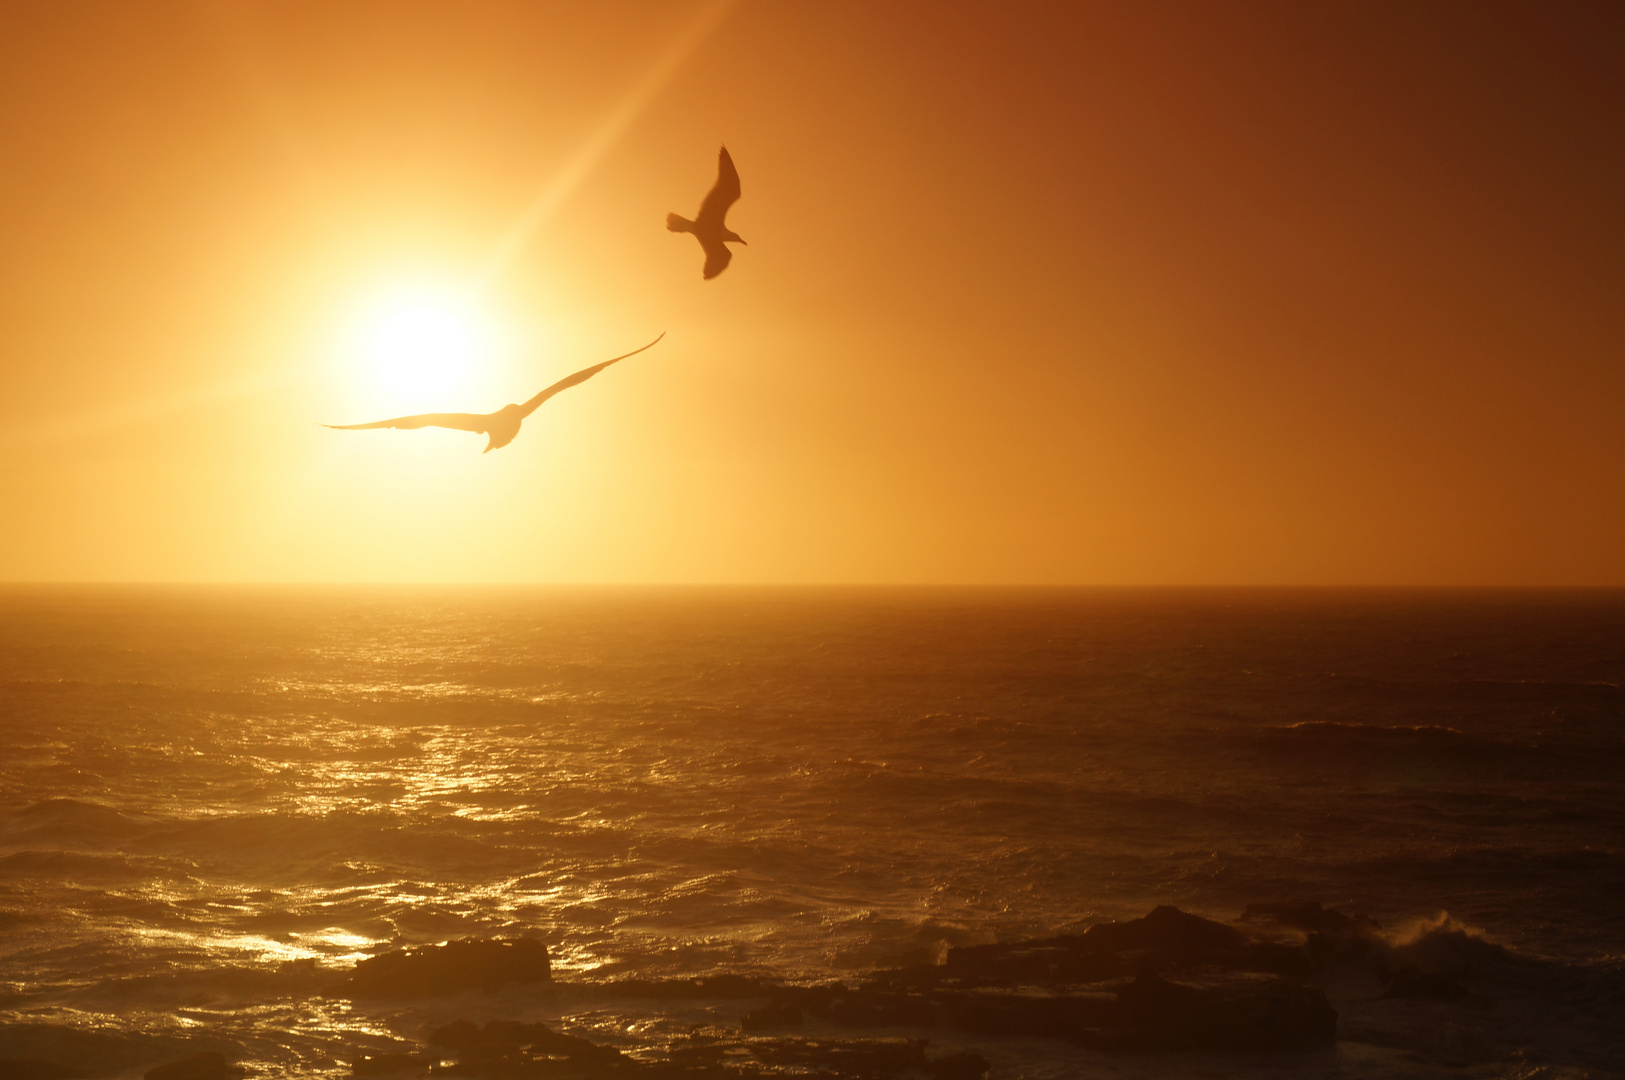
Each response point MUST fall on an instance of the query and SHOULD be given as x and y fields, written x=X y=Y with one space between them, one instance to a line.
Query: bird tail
x=678 y=223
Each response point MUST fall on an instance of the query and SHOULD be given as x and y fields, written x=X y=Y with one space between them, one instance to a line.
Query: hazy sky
x=1207 y=292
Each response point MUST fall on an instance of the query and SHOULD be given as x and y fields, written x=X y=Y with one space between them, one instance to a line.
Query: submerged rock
x=470 y=964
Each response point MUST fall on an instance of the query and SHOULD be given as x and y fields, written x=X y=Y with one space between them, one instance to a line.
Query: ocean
x=210 y=796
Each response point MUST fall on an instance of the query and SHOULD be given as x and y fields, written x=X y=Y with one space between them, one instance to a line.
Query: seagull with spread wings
x=501 y=425
x=708 y=226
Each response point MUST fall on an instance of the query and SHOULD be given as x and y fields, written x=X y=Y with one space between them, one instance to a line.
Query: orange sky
x=1185 y=293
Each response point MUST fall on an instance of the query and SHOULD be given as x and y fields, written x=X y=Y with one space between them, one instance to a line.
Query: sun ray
x=706 y=20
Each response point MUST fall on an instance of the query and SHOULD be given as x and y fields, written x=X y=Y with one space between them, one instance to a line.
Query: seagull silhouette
x=707 y=227
x=501 y=425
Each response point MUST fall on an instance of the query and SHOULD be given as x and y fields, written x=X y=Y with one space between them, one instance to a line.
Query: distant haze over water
x=804 y=783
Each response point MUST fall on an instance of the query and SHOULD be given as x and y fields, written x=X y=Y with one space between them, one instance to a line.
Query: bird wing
x=724 y=193
x=717 y=257
x=579 y=377
x=460 y=421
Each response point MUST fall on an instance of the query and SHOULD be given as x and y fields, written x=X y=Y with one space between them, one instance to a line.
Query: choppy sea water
x=198 y=785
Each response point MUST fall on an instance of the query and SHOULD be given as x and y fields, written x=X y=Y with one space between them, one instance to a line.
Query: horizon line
x=808 y=585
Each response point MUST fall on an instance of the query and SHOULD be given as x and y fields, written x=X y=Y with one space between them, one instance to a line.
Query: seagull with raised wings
x=708 y=226
x=501 y=425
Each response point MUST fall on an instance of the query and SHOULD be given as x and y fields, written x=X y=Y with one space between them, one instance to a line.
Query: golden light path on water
x=409 y=774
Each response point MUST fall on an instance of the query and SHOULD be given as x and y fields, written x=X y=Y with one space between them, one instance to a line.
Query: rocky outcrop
x=1168 y=981
x=470 y=964
x=1166 y=939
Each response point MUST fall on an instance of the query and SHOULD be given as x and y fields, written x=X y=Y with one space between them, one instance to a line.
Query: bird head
x=734 y=238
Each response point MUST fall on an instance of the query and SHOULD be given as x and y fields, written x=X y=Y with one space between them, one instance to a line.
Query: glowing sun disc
x=423 y=344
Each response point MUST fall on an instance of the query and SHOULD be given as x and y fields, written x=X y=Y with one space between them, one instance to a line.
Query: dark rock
x=471 y=964
x=1058 y=1016
x=510 y=1047
x=458 y=1036
x=964 y=1065
x=1272 y=957
x=506 y=1034
x=1331 y=938
x=858 y=1007
x=1305 y=915
x=1425 y=986
x=1166 y=938
x=1169 y=930
x=34 y=1069
x=872 y=1008
x=1270 y=1014
x=1052 y=960
x=205 y=1065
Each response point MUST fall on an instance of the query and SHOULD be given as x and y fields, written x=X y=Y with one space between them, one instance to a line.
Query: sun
x=421 y=344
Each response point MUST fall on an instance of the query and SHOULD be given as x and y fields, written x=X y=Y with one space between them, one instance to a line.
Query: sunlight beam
x=706 y=20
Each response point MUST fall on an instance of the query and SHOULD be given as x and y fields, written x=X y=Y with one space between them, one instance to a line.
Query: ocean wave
x=1344 y=740
x=60 y=867
x=69 y=821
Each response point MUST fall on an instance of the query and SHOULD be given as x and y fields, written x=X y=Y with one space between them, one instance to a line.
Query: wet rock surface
x=1170 y=981
x=470 y=964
